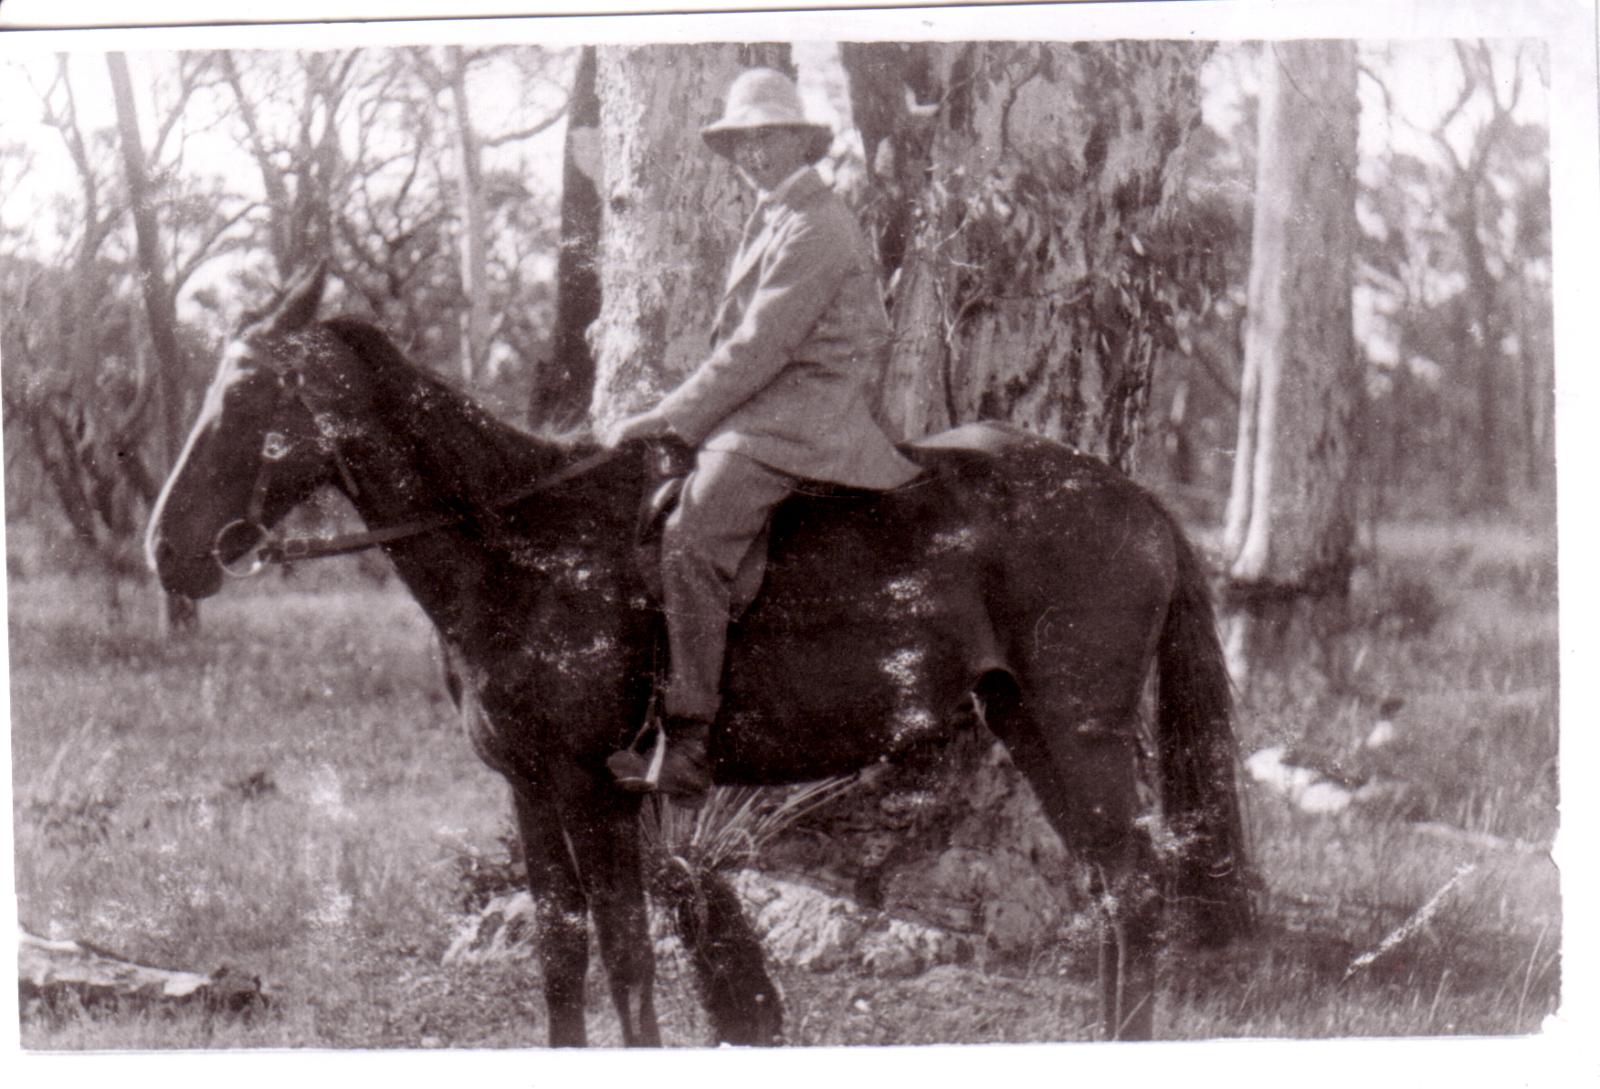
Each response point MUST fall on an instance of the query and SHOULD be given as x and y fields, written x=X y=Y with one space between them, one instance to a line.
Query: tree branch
x=203 y=251
x=522 y=133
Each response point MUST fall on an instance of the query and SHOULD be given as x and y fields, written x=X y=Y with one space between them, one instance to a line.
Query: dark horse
x=1029 y=585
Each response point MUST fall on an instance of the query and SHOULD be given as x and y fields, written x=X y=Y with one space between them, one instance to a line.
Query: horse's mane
x=456 y=444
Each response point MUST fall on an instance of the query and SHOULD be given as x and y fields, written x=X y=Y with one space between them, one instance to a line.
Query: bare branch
x=271 y=179
x=523 y=133
x=204 y=249
x=421 y=59
x=188 y=83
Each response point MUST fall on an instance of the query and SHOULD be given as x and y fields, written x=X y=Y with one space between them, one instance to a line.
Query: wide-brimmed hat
x=762 y=98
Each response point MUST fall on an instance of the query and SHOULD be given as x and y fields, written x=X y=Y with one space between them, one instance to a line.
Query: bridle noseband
x=252 y=546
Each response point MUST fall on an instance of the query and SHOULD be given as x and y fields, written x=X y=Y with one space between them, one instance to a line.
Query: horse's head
x=255 y=451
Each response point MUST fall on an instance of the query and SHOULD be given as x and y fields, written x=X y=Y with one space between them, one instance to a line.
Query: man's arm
x=796 y=287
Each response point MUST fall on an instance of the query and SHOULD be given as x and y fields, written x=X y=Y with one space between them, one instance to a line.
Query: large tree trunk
x=181 y=614
x=1019 y=195
x=1020 y=199
x=671 y=215
x=1291 y=513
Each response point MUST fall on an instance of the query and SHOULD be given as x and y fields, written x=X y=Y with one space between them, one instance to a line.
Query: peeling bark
x=1017 y=191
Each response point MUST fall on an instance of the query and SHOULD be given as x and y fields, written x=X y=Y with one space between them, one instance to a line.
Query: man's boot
x=686 y=771
x=682 y=771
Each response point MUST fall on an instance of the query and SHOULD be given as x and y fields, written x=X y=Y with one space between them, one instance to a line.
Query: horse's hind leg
x=561 y=912
x=1085 y=780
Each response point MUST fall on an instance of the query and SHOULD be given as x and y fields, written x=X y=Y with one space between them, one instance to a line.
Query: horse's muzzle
x=191 y=575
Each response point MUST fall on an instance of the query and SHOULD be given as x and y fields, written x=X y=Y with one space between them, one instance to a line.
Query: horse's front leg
x=605 y=839
x=561 y=912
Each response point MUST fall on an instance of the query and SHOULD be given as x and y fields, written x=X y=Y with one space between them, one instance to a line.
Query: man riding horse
x=797 y=342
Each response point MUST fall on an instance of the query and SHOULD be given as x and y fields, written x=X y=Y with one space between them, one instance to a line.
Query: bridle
x=254 y=548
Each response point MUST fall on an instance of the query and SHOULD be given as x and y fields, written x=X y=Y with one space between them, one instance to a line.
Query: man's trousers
x=724 y=506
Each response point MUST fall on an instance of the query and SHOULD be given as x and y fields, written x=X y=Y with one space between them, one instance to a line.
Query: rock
x=800 y=925
x=501 y=930
x=958 y=844
x=995 y=893
x=904 y=949
x=805 y=927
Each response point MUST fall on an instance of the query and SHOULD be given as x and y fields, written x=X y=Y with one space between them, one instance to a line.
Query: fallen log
x=51 y=971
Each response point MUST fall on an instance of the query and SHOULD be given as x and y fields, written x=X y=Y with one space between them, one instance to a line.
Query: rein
x=254 y=548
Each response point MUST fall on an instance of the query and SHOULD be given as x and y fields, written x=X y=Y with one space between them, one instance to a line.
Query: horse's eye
x=291 y=378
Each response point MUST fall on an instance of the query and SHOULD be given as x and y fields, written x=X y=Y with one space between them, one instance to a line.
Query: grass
x=1468 y=649
x=288 y=793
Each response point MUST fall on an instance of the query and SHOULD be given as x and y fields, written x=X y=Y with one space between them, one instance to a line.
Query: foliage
x=735 y=824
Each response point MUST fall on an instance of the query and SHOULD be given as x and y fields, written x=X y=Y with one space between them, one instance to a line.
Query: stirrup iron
x=624 y=764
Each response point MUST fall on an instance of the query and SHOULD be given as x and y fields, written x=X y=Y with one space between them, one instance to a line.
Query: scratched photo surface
x=1188 y=671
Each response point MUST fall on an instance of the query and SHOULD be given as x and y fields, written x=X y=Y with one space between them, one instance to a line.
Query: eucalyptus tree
x=1291 y=510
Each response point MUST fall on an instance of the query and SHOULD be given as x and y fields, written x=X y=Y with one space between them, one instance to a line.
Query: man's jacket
x=798 y=342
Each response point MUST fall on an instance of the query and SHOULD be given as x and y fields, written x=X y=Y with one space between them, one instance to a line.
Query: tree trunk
x=474 y=249
x=1018 y=193
x=671 y=216
x=1291 y=514
x=561 y=389
x=1478 y=335
x=160 y=312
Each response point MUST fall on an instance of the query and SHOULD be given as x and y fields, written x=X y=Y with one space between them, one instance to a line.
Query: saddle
x=670 y=464
x=671 y=461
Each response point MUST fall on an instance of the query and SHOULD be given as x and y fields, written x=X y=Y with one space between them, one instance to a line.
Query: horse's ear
x=299 y=306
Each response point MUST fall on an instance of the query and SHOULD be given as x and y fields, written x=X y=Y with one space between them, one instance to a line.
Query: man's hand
x=646 y=425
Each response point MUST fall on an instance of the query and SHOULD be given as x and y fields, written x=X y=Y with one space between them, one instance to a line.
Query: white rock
x=1382 y=734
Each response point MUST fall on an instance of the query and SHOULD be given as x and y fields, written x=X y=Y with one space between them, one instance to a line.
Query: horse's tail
x=1199 y=787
